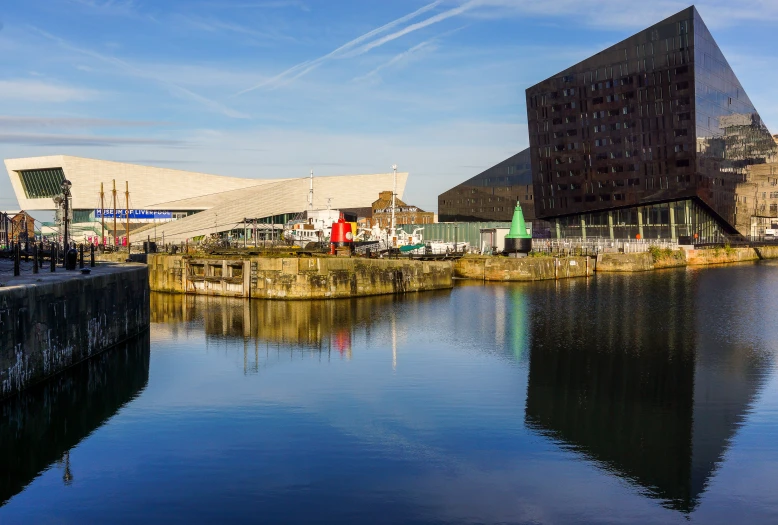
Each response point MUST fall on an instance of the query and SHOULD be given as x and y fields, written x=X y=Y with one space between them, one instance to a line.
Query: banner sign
x=142 y=215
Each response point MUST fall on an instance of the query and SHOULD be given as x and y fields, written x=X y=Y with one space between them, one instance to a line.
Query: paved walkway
x=7 y=268
x=45 y=275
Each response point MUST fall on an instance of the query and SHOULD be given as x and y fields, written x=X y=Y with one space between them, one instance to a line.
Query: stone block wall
x=166 y=273
x=48 y=326
x=325 y=278
x=624 y=262
x=524 y=268
x=297 y=278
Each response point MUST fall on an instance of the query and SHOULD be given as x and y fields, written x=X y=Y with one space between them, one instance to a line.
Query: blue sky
x=274 y=88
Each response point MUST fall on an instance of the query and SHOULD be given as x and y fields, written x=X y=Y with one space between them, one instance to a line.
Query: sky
x=275 y=88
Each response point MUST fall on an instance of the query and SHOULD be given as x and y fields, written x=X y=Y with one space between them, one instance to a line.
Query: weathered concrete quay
x=51 y=321
x=489 y=268
x=293 y=278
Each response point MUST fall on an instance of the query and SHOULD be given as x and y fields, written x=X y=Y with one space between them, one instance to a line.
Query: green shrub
x=659 y=254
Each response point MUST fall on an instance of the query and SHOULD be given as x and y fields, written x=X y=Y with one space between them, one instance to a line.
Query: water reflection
x=308 y=326
x=628 y=371
x=40 y=427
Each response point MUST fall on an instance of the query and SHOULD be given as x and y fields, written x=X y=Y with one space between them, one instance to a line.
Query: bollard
x=71 y=258
x=17 y=260
x=39 y=262
x=53 y=257
x=81 y=256
x=92 y=255
x=34 y=258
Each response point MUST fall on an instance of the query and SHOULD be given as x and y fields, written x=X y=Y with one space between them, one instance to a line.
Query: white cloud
x=303 y=68
x=39 y=91
x=126 y=67
x=20 y=122
x=440 y=17
x=270 y=4
x=214 y=25
x=47 y=139
x=618 y=13
x=399 y=59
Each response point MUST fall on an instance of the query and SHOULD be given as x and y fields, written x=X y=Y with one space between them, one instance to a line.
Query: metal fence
x=597 y=245
x=18 y=259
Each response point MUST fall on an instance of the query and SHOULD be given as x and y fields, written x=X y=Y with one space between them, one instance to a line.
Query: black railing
x=19 y=258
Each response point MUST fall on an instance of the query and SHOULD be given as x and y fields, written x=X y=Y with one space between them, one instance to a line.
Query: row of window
x=468 y=202
x=678 y=60
x=590 y=196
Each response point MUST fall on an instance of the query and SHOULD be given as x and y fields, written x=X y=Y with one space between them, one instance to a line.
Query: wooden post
x=114 y=212
x=102 y=215
x=127 y=201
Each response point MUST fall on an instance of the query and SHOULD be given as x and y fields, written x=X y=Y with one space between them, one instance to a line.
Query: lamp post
x=58 y=202
x=66 y=200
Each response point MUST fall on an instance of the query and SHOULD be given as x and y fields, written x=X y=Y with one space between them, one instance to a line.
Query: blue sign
x=141 y=215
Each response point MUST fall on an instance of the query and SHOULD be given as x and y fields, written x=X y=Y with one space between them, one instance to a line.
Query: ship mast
x=394 y=192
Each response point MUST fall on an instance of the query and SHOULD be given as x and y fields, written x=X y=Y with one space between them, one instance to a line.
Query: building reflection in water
x=624 y=370
x=39 y=427
x=302 y=328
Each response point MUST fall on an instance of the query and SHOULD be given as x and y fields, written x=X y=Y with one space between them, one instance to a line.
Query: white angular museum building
x=182 y=205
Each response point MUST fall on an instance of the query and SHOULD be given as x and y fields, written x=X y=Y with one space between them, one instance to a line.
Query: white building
x=189 y=204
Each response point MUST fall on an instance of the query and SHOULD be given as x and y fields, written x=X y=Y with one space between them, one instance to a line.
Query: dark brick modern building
x=652 y=137
x=492 y=194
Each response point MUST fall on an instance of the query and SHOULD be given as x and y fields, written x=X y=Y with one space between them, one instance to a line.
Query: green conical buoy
x=518 y=240
x=518 y=228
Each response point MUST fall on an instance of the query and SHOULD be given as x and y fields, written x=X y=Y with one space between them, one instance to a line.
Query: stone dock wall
x=488 y=268
x=53 y=321
x=641 y=262
x=545 y=268
x=295 y=278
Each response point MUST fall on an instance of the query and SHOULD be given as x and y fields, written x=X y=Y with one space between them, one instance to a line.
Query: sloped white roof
x=149 y=187
x=287 y=196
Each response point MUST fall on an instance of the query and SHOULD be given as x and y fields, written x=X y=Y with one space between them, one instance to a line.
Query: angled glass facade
x=658 y=118
x=492 y=194
x=41 y=183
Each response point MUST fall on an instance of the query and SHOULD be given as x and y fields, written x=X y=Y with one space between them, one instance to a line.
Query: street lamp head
x=58 y=199
x=394 y=167
x=66 y=186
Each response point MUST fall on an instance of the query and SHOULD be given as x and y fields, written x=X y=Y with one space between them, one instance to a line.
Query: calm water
x=619 y=399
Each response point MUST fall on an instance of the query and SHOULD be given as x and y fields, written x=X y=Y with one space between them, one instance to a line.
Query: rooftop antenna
x=310 y=194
